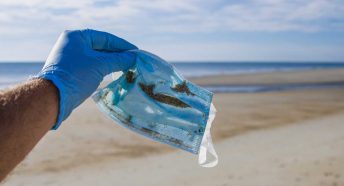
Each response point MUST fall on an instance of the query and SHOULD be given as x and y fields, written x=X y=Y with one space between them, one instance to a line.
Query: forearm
x=27 y=112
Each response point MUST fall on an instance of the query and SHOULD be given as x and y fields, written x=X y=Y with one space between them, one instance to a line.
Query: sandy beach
x=269 y=138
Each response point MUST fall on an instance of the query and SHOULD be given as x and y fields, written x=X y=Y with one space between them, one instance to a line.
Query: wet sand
x=273 y=138
x=308 y=76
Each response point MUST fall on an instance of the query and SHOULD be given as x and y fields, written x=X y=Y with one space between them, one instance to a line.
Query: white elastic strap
x=207 y=144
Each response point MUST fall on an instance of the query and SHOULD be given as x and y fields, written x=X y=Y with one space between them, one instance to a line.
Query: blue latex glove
x=79 y=61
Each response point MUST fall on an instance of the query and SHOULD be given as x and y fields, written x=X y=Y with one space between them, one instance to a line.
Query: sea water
x=15 y=72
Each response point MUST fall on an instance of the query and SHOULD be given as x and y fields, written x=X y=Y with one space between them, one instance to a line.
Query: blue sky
x=183 y=30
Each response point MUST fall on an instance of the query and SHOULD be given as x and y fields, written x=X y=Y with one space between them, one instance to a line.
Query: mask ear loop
x=207 y=144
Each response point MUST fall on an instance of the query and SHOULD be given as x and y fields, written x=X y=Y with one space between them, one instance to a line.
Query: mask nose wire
x=207 y=144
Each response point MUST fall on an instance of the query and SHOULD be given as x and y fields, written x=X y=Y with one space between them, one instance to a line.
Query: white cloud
x=40 y=21
x=175 y=16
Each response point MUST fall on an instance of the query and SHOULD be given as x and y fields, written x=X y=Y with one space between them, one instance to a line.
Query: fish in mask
x=154 y=100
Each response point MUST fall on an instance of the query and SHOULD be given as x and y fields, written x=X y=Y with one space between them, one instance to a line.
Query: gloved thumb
x=116 y=61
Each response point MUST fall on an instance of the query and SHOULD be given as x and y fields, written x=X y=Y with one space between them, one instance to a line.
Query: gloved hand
x=79 y=61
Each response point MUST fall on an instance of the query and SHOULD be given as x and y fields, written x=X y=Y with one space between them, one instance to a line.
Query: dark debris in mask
x=130 y=76
x=182 y=87
x=128 y=119
x=150 y=132
x=159 y=135
x=163 y=98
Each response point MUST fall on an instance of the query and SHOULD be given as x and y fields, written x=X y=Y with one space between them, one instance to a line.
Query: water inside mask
x=154 y=100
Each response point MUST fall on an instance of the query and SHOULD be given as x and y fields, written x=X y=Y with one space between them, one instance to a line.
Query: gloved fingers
x=115 y=61
x=104 y=41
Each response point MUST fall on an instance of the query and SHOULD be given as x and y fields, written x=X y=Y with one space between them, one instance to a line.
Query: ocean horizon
x=15 y=72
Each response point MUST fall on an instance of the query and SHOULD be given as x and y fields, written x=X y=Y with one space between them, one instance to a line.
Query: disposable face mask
x=152 y=99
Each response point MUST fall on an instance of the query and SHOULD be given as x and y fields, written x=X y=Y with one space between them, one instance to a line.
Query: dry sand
x=275 y=138
x=307 y=153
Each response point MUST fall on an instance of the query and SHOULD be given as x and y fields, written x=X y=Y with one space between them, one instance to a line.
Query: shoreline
x=276 y=87
x=270 y=82
x=304 y=76
x=283 y=78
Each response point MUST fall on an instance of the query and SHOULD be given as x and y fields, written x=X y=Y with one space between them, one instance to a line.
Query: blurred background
x=276 y=68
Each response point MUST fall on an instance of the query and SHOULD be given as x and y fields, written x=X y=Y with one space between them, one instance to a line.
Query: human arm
x=27 y=112
x=75 y=67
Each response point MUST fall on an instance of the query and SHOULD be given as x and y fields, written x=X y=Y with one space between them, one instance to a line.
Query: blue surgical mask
x=154 y=100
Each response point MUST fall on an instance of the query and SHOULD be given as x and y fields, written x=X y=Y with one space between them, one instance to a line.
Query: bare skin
x=27 y=113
